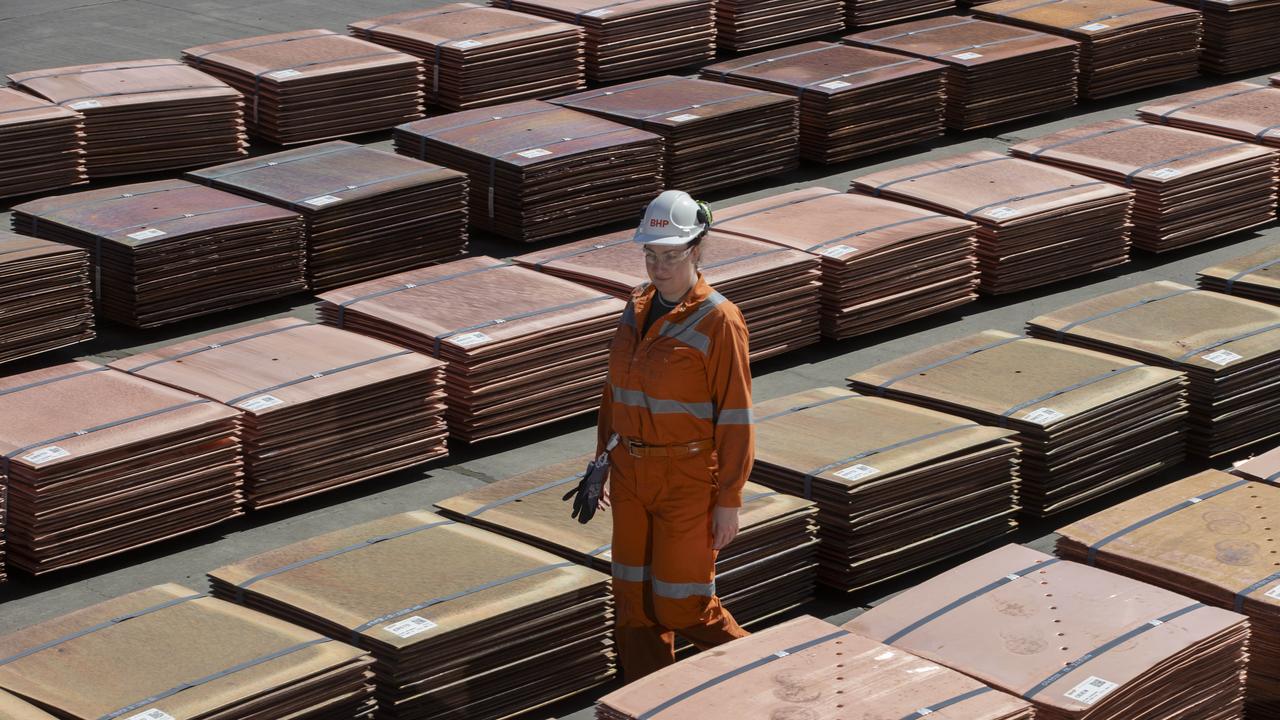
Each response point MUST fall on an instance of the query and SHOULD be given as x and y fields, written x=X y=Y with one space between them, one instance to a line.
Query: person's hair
x=696 y=242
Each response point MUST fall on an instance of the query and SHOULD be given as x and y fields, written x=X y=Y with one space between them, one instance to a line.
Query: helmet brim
x=644 y=238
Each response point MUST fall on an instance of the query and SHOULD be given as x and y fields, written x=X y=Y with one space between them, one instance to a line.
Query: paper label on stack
x=1221 y=357
x=464 y=44
x=838 y=251
x=835 y=85
x=322 y=200
x=967 y=56
x=470 y=339
x=45 y=454
x=598 y=13
x=1273 y=593
x=857 y=472
x=1092 y=690
x=262 y=402
x=152 y=714
x=1091 y=27
x=1165 y=173
x=147 y=234
x=683 y=118
x=534 y=153
x=1044 y=416
x=409 y=627
x=84 y=104
x=1002 y=212
x=282 y=74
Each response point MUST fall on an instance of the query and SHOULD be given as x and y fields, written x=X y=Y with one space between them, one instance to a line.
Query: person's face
x=672 y=269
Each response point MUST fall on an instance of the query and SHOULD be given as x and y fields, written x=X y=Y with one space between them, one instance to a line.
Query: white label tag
x=147 y=234
x=84 y=104
x=838 y=251
x=781 y=653
x=464 y=44
x=1002 y=212
x=924 y=711
x=470 y=339
x=1165 y=173
x=607 y=554
x=856 y=472
x=1092 y=690
x=282 y=74
x=1221 y=357
x=967 y=56
x=262 y=402
x=410 y=627
x=835 y=85
x=1094 y=26
x=1044 y=416
x=152 y=714
x=45 y=454
x=683 y=118
x=598 y=13
x=1273 y=593
x=534 y=153
x=322 y=200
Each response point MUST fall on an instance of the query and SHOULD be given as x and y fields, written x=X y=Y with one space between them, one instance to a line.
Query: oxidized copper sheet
x=776 y=288
x=1037 y=224
x=749 y=25
x=475 y=55
x=1076 y=641
x=170 y=250
x=713 y=134
x=883 y=263
x=869 y=13
x=898 y=486
x=313 y=85
x=368 y=212
x=1125 y=45
x=633 y=38
x=323 y=408
x=45 y=296
x=41 y=145
x=1238 y=110
x=11 y=708
x=1088 y=422
x=539 y=171
x=143 y=116
x=1255 y=276
x=853 y=101
x=995 y=73
x=102 y=462
x=1265 y=467
x=807 y=668
x=1228 y=347
x=1189 y=186
x=182 y=654
x=1206 y=536
x=1239 y=35
x=769 y=567
x=463 y=623
x=523 y=348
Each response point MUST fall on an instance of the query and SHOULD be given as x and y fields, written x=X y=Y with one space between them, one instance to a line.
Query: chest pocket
x=675 y=368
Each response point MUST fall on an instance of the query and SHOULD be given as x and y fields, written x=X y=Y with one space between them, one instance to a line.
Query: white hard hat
x=673 y=218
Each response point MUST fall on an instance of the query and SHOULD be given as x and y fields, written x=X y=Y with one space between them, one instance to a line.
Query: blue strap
x=880 y=188
x=1240 y=596
x=1029 y=196
x=1086 y=136
x=767 y=208
x=799 y=408
x=1094 y=548
x=946 y=703
x=589 y=249
x=1164 y=116
x=886 y=226
x=1231 y=281
x=1128 y=179
x=967 y=598
x=49 y=381
x=809 y=476
x=1234 y=338
x=1062 y=332
x=1113 y=372
x=285 y=161
x=519 y=316
x=318 y=375
x=215 y=346
x=342 y=306
x=880 y=389
x=524 y=494
x=725 y=73
x=183 y=216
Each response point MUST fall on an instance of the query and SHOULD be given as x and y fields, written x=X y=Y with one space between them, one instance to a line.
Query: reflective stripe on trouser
x=663 y=564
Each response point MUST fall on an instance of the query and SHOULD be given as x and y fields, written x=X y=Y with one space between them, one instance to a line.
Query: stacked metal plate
x=713 y=134
x=1255 y=276
x=462 y=622
x=1239 y=110
x=1263 y=468
x=46 y=301
x=1088 y=422
x=41 y=145
x=538 y=171
x=476 y=55
x=769 y=567
x=1188 y=187
x=144 y=116
x=313 y=85
x=777 y=289
x=103 y=462
x=170 y=250
x=1037 y=224
x=883 y=263
x=807 y=668
x=1076 y=641
x=1239 y=35
x=368 y=212
x=1125 y=45
x=323 y=408
x=523 y=348
x=868 y=13
x=995 y=73
x=749 y=25
x=182 y=654
x=898 y=487
x=853 y=101
x=633 y=38
x=1218 y=524
x=1228 y=347
x=11 y=708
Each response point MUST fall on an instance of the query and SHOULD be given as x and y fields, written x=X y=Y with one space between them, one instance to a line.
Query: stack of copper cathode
x=748 y=25
x=46 y=297
x=871 y=13
x=1239 y=110
x=1255 y=276
x=1238 y=35
x=41 y=145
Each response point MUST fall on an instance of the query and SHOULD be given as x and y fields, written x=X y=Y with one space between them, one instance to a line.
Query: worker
x=677 y=402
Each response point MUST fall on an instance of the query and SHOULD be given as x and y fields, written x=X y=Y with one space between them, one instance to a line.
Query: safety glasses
x=669 y=258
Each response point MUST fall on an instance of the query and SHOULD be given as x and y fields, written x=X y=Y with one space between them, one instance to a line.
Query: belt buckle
x=632 y=448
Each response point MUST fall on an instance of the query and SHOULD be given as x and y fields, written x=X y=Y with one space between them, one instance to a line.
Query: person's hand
x=724 y=526
x=604 y=495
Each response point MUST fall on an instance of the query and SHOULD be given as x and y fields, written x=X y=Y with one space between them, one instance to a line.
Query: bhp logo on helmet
x=657 y=222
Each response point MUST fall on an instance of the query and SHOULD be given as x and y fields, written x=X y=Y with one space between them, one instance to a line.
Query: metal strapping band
x=721 y=221
x=257 y=79
x=841 y=76
x=439 y=50
x=979 y=46
x=731 y=98
x=342 y=306
x=577 y=18
x=1242 y=336
x=419 y=16
x=571 y=102
x=34 y=107
x=1114 y=372
x=1238 y=605
x=800 y=408
x=493 y=161
x=59 y=378
x=761 y=662
x=524 y=494
x=318 y=375
x=1231 y=281
x=101 y=626
x=1112 y=16
x=922 y=712
x=1042 y=193
x=966 y=598
x=183 y=216
x=99 y=70
x=1128 y=179
x=583 y=251
x=122 y=196
x=296 y=158
x=1094 y=548
x=1087 y=136
x=214 y=676
x=143 y=92
x=302 y=202
x=877 y=189
x=1164 y=115
x=24 y=249
x=877 y=228
x=1261 y=134
x=880 y=389
x=922 y=31
x=602 y=548
x=1062 y=332
x=520 y=316
x=1031 y=6
x=200 y=58
x=215 y=346
x=744 y=258
x=1109 y=645
x=725 y=73
x=491 y=118
x=809 y=476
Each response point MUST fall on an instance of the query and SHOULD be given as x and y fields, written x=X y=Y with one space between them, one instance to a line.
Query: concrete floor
x=38 y=34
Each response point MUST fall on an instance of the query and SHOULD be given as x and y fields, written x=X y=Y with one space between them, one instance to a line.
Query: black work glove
x=586 y=494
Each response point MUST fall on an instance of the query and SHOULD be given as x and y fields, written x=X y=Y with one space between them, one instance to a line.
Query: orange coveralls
x=685 y=385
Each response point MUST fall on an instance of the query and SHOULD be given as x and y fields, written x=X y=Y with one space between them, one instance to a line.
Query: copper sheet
x=313 y=85
x=851 y=99
x=1228 y=347
x=170 y=250
x=1255 y=276
x=869 y=13
x=41 y=145
x=1238 y=110
x=1037 y=224
x=11 y=708
x=45 y=296
x=995 y=73
x=144 y=116
x=776 y=288
x=368 y=212
x=1088 y=422
x=1265 y=467
x=463 y=636
x=713 y=134
x=476 y=55
x=539 y=171
x=1239 y=35
x=749 y=25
